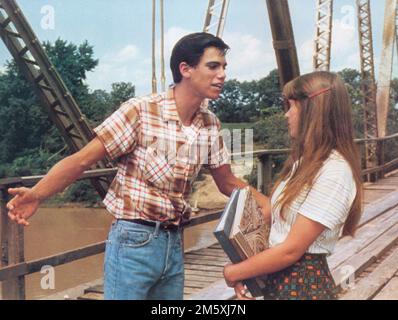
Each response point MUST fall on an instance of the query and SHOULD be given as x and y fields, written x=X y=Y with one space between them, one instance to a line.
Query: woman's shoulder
x=336 y=159
x=336 y=164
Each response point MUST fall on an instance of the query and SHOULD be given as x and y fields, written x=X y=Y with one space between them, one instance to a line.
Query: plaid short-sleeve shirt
x=157 y=162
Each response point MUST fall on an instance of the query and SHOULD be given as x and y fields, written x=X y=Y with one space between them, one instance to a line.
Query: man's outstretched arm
x=26 y=200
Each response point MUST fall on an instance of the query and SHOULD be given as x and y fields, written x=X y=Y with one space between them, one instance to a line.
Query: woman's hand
x=227 y=275
x=241 y=291
x=238 y=286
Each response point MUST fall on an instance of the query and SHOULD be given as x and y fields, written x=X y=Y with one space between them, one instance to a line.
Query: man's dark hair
x=190 y=49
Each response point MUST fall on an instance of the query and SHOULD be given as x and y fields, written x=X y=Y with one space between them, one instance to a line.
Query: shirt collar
x=169 y=108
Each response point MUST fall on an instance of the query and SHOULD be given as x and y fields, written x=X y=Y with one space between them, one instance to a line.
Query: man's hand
x=264 y=203
x=26 y=201
x=23 y=205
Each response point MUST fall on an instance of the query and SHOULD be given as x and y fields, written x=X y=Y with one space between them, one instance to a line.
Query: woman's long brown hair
x=325 y=124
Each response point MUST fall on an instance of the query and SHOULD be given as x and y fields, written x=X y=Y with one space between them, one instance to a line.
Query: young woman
x=317 y=197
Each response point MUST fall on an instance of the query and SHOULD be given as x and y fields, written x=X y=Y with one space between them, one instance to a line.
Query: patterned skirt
x=307 y=279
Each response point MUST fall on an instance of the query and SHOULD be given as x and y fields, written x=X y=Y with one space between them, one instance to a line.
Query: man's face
x=208 y=77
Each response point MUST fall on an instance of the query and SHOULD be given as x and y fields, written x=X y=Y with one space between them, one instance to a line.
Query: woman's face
x=292 y=118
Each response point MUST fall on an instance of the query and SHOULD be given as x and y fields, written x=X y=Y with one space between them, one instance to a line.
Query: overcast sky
x=120 y=31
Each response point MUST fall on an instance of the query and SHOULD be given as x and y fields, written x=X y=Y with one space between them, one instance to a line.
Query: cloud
x=171 y=36
x=305 y=55
x=345 y=46
x=345 y=51
x=128 y=64
x=249 y=57
x=128 y=53
x=119 y=66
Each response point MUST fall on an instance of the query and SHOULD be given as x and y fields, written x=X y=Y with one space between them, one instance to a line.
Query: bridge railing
x=14 y=268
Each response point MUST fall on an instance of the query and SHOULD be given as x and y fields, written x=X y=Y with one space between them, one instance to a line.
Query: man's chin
x=213 y=96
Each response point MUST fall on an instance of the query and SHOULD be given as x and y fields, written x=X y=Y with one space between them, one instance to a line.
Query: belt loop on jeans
x=155 y=234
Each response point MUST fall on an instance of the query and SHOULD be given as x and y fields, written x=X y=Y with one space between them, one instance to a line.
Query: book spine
x=254 y=287
x=228 y=247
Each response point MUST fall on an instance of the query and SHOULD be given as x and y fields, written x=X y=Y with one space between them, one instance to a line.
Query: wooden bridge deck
x=369 y=261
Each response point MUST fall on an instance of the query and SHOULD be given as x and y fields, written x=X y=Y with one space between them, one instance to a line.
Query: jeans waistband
x=164 y=226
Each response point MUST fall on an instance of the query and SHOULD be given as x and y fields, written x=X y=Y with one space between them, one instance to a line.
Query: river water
x=54 y=230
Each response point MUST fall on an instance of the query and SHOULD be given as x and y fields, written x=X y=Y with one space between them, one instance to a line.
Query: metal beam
x=283 y=40
x=396 y=29
x=154 y=80
x=386 y=62
x=368 y=83
x=34 y=63
x=215 y=18
x=162 y=65
x=323 y=37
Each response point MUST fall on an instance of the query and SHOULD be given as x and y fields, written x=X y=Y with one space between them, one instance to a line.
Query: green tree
x=101 y=103
x=72 y=63
x=24 y=124
x=121 y=92
x=269 y=94
x=272 y=132
x=249 y=100
x=29 y=141
x=229 y=106
x=352 y=79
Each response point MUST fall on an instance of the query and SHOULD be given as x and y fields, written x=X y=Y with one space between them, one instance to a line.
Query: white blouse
x=328 y=202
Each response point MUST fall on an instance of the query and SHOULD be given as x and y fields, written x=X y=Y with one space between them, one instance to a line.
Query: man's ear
x=185 y=70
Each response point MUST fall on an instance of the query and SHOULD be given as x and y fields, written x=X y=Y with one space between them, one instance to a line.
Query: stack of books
x=243 y=232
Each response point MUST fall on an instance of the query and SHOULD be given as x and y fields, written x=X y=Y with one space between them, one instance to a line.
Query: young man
x=160 y=143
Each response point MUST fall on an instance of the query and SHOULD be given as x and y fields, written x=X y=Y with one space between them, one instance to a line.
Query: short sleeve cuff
x=102 y=135
x=220 y=159
x=317 y=218
x=118 y=132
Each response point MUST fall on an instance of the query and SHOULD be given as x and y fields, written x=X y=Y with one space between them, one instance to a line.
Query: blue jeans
x=143 y=262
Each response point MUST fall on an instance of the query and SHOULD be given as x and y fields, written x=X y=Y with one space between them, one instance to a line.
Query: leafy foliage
x=29 y=142
x=249 y=101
